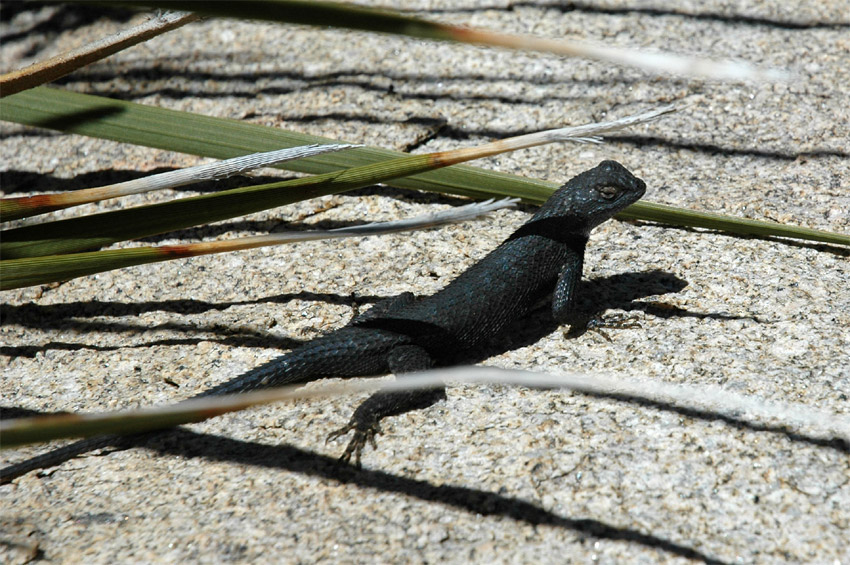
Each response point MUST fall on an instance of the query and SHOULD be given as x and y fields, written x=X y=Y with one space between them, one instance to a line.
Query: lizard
x=406 y=334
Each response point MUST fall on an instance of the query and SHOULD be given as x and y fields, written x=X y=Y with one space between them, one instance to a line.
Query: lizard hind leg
x=384 y=307
x=366 y=420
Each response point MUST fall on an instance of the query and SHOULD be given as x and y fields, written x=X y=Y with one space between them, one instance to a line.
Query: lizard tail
x=347 y=352
x=58 y=456
x=251 y=380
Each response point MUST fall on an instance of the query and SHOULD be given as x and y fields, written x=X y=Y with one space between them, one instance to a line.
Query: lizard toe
x=363 y=434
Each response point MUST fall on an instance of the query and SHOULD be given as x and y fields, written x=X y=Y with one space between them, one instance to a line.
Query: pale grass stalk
x=587 y=133
x=653 y=61
x=710 y=399
x=435 y=219
x=181 y=177
x=65 y=63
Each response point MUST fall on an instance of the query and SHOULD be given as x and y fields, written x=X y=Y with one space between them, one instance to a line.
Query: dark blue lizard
x=406 y=334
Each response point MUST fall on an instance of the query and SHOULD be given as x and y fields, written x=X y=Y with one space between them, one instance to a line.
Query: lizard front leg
x=366 y=420
x=564 y=309
x=564 y=295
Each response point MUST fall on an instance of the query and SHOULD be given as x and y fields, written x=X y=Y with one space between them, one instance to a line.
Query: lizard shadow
x=87 y=317
x=185 y=443
x=624 y=291
x=621 y=291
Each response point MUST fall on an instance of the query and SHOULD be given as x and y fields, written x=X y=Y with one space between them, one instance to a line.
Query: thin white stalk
x=181 y=177
x=213 y=171
x=706 y=398
x=587 y=133
x=435 y=219
x=652 y=61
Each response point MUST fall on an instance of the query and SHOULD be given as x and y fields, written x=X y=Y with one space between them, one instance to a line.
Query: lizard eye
x=608 y=192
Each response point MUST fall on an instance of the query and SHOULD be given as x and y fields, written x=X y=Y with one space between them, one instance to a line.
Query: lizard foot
x=363 y=433
x=597 y=323
x=614 y=321
x=365 y=422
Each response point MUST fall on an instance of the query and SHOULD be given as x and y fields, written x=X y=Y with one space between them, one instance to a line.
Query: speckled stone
x=494 y=474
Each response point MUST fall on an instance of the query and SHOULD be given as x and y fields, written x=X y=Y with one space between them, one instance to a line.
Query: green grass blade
x=77 y=234
x=223 y=138
x=98 y=230
x=18 y=273
x=23 y=431
x=663 y=214
x=311 y=12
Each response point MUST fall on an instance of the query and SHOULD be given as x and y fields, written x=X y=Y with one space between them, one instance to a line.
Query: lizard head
x=593 y=196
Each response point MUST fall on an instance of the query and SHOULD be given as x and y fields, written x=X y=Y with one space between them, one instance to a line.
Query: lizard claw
x=363 y=433
x=614 y=321
x=339 y=433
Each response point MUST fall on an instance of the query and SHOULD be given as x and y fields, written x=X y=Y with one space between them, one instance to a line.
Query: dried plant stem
x=652 y=61
x=17 y=273
x=587 y=133
x=26 y=206
x=785 y=417
x=61 y=65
